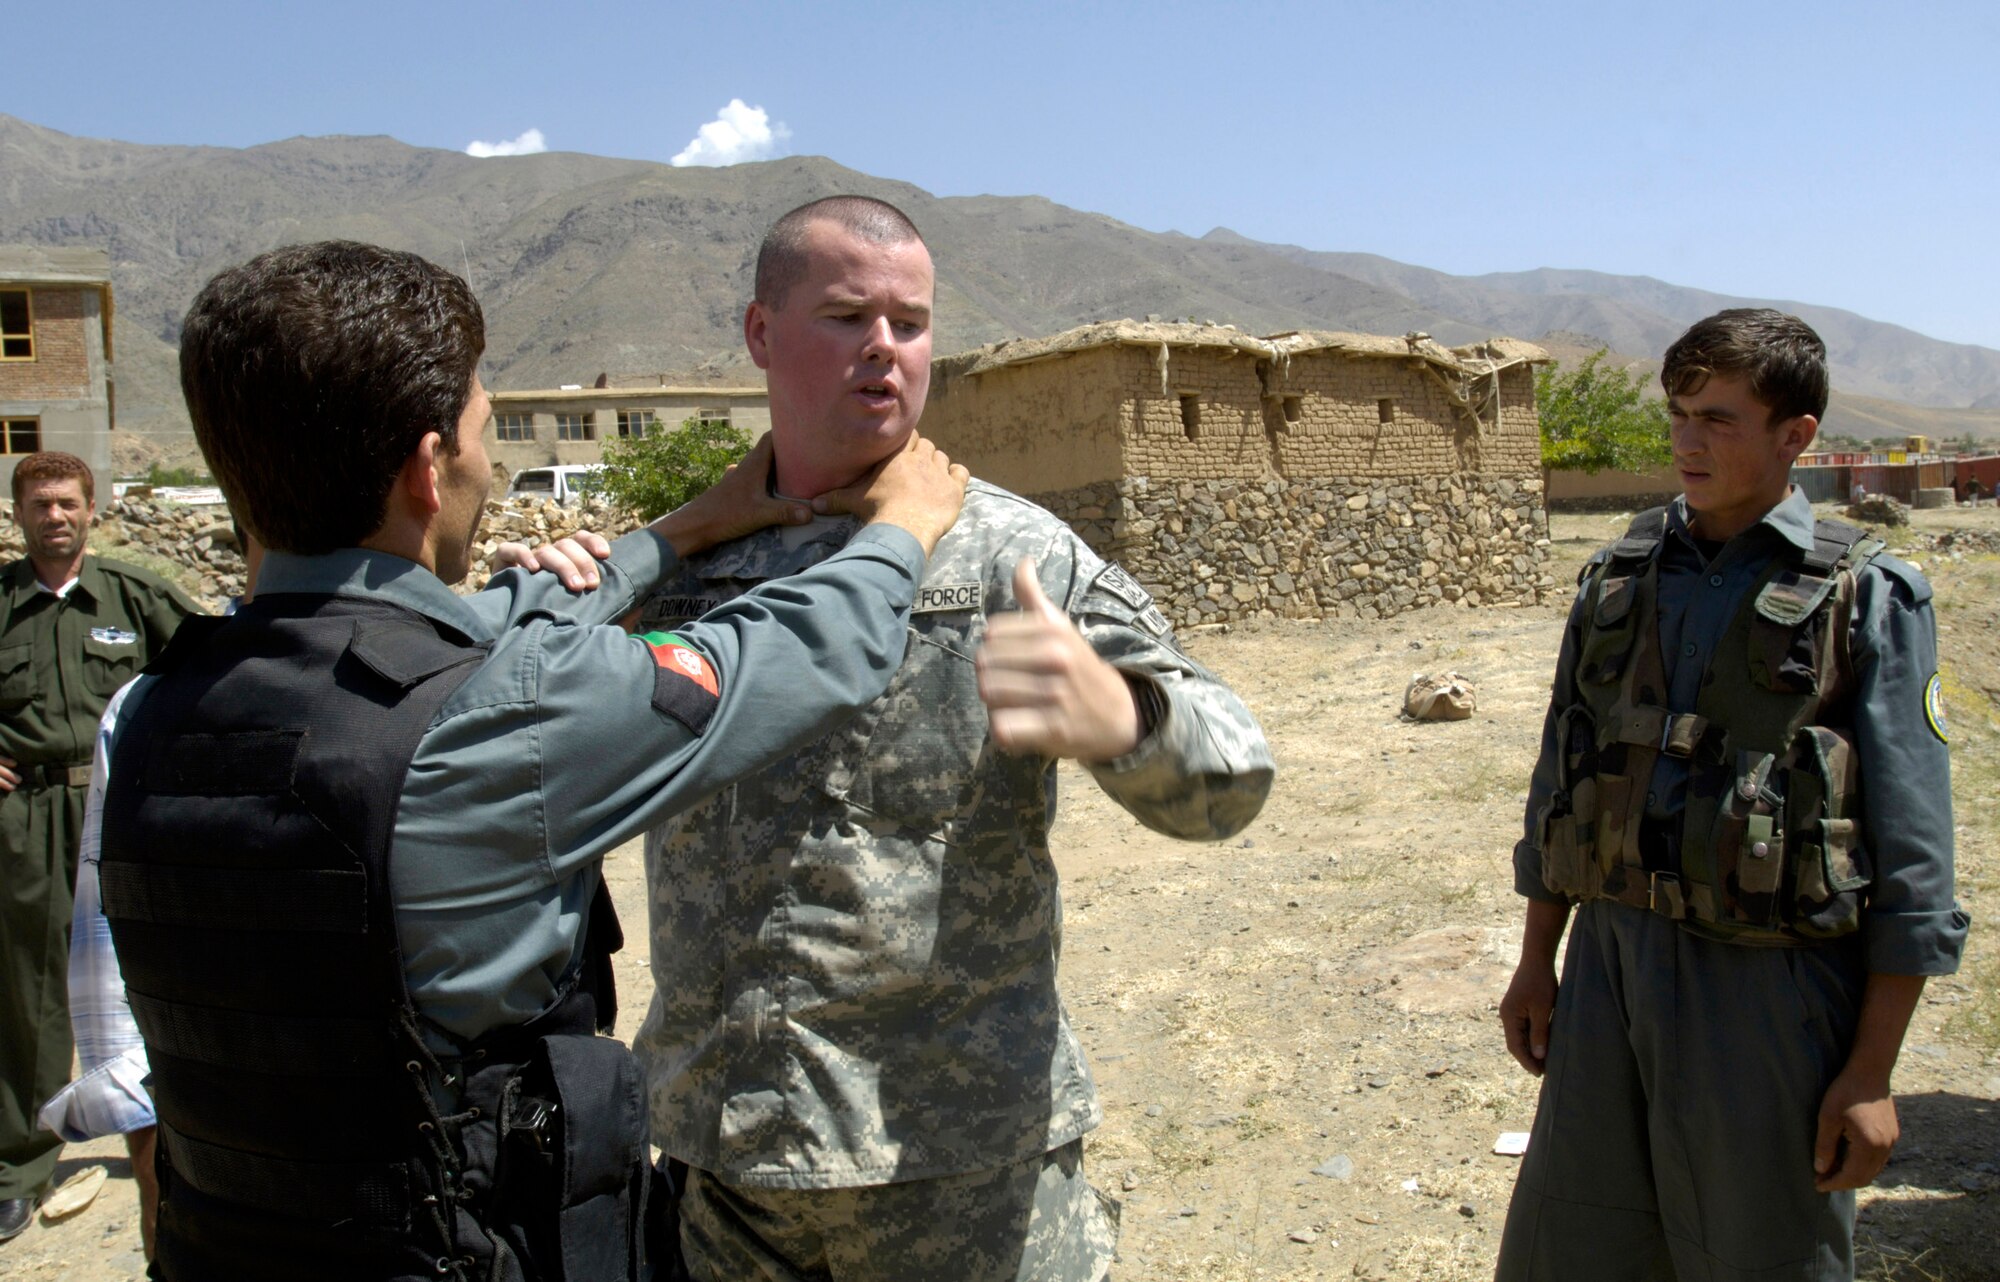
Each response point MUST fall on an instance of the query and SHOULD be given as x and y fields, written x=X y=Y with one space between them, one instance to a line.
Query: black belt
x=56 y=776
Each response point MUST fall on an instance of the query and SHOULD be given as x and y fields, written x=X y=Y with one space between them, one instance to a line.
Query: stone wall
x=1336 y=547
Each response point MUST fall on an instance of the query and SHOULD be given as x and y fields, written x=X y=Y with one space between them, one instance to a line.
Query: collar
x=1792 y=520
x=22 y=584
x=363 y=572
x=776 y=550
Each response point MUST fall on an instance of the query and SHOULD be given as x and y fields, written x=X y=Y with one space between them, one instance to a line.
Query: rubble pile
x=197 y=542
x=1878 y=509
x=538 y=521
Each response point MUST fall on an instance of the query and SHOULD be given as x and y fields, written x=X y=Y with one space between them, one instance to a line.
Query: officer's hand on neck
x=740 y=503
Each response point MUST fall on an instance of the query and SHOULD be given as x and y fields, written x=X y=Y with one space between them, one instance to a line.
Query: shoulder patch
x=1115 y=581
x=1934 y=708
x=685 y=685
x=937 y=598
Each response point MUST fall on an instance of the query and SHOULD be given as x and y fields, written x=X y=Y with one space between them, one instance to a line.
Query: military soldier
x=1743 y=782
x=73 y=628
x=352 y=835
x=855 y=1041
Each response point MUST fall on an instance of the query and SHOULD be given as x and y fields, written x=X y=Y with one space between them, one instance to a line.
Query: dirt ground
x=1294 y=1032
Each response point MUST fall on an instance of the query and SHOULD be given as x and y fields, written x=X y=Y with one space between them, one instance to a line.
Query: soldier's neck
x=52 y=573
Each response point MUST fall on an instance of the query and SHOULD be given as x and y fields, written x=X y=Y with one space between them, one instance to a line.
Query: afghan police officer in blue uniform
x=856 y=1041
x=352 y=835
x=1743 y=791
x=73 y=628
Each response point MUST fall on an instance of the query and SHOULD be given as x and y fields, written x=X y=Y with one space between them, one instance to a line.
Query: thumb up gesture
x=1045 y=689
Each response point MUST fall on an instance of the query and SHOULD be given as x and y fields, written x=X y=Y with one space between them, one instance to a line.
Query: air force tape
x=936 y=598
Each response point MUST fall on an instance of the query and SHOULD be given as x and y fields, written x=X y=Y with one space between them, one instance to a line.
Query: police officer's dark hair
x=53 y=465
x=781 y=259
x=313 y=372
x=1782 y=358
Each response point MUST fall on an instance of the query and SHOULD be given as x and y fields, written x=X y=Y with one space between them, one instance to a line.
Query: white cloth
x=110 y=1098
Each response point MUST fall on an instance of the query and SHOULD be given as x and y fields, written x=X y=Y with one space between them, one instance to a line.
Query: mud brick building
x=1299 y=475
x=55 y=356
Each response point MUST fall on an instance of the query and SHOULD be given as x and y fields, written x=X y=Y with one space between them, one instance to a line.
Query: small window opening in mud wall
x=1191 y=416
x=1385 y=410
x=1294 y=409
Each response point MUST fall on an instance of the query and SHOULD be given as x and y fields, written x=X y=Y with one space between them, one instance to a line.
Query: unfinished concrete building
x=1298 y=475
x=55 y=356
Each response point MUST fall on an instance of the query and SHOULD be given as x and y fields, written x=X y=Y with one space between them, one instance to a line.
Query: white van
x=563 y=483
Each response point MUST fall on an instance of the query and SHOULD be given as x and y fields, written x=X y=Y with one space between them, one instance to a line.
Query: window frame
x=8 y=426
x=7 y=337
x=647 y=424
x=576 y=425
x=521 y=428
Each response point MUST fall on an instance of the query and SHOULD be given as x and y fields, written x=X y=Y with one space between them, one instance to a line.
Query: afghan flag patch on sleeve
x=685 y=685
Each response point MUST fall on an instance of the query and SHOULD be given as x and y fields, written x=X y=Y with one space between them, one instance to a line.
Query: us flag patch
x=685 y=686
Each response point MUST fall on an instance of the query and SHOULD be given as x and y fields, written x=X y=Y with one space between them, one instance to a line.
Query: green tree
x=1594 y=417
x=656 y=473
x=159 y=475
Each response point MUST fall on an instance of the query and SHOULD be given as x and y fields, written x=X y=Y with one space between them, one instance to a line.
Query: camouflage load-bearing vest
x=1767 y=847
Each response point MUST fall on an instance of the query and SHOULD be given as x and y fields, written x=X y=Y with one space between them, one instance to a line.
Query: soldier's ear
x=1796 y=435
x=756 y=334
x=419 y=482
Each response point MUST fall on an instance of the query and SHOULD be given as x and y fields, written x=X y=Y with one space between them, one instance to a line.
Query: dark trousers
x=38 y=837
x=1674 y=1136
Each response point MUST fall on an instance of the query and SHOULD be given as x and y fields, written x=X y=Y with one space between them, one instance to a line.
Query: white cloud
x=738 y=133
x=526 y=145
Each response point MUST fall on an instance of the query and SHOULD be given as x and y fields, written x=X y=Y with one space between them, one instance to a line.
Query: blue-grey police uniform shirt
x=1912 y=926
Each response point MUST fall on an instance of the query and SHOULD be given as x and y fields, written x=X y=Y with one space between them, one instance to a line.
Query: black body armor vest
x=307 y=1129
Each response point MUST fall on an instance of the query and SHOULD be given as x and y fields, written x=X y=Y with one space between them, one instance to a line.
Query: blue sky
x=1834 y=153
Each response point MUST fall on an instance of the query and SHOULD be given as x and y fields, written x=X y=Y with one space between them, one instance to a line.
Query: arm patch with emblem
x=685 y=685
x=1115 y=582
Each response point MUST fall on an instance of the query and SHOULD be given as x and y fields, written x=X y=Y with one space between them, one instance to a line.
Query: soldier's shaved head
x=781 y=259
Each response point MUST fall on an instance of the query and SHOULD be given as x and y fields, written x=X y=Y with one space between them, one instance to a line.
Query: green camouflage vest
x=1769 y=841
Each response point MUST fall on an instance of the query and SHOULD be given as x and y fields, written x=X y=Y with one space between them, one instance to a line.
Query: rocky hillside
x=589 y=265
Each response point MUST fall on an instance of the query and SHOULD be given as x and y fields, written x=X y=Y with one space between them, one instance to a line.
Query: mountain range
x=587 y=265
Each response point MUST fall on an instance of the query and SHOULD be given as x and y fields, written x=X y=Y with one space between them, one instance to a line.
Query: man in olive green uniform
x=73 y=629
x=1744 y=790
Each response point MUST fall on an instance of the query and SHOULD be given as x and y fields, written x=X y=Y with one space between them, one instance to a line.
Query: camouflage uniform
x=855 y=951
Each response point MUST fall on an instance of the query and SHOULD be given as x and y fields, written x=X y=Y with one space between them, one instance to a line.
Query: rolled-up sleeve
x=1913 y=924
x=1205 y=769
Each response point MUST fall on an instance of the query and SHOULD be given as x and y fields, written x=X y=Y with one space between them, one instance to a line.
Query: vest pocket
x=1567 y=824
x=1613 y=628
x=17 y=676
x=1568 y=838
x=1748 y=842
x=1832 y=870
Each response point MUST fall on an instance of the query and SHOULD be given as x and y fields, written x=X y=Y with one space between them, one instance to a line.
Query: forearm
x=1887 y=1003
x=1542 y=934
